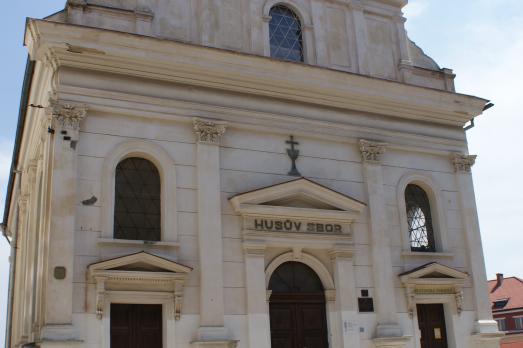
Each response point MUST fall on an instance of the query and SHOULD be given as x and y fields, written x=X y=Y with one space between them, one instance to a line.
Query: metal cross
x=293 y=154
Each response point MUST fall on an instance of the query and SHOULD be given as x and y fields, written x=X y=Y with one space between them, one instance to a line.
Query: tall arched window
x=137 y=202
x=419 y=219
x=285 y=34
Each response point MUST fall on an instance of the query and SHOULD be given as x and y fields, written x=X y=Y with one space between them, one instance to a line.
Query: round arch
x=165 y=165
x=433 y=192
x=293 y=5
x=309 y=260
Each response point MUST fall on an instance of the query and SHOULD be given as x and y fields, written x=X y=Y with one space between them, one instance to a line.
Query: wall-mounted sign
x=294 y=226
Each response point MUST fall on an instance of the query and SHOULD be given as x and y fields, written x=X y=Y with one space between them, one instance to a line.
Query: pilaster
x=360 y=29
x=212 y=332
x=345 y=308
x=372 y=153
x=257 y=304
x=487 y=333
x=65 y=119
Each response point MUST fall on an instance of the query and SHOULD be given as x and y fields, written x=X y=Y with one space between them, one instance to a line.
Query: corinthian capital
x=463 y=163
x=208 y=132
x=371 y=152
x=66 y=116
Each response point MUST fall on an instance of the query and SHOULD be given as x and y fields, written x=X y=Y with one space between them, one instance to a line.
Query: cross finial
x=293 y=154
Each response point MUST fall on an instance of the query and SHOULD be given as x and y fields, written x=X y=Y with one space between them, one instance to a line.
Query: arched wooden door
x=297 y=308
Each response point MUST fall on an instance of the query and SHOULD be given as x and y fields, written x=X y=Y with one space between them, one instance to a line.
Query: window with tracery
x=419 y=219
x=137 y=208
x=285 y=34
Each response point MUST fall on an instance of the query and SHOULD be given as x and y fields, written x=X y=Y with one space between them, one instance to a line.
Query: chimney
x=499 y=278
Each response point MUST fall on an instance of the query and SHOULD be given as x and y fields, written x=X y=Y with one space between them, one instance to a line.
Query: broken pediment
x=300 y=198
x=140 y=272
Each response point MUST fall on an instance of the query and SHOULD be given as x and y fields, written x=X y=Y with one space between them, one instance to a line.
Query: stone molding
x=463 y=163
x=372 y=152
x=208 y=132
x=65 y=115
x=422 y=284
x=168 y=278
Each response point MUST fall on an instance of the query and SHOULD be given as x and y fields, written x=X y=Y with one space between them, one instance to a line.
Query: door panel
x=431 y=321
x=298 y=323
x=136 y=326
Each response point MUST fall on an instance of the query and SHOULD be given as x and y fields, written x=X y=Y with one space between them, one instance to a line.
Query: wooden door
x=431 y=321
x=136 y=326
x=298 y=321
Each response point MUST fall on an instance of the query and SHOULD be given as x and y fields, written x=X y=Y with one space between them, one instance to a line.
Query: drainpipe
x=12 y=273
x=471 y=125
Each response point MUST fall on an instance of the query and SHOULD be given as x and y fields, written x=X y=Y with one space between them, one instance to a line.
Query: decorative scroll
x=372 y=152
x=463 y=163
x=208 y=132
x=100 y=297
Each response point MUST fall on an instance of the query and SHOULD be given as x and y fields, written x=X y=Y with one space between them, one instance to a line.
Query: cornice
x=122 y=53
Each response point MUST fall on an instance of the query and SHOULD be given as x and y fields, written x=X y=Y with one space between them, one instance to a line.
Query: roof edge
x=24 y=101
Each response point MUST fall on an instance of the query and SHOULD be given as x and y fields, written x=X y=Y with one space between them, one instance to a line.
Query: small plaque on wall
x=365 y=305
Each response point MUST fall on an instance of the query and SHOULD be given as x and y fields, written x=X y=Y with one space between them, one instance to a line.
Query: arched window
x=419 y=219
x=285 y=34
x=137 y=203
x=295 y=277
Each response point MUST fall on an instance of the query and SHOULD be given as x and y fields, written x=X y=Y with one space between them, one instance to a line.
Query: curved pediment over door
x=300 y=209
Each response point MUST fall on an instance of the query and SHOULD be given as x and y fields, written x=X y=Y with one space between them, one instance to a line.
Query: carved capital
x=66 y=116
x=372 y=152
x=463 y=163
x=208 y=132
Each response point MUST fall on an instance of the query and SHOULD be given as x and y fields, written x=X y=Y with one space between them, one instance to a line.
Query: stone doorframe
x=434 y=283
x=302 y=201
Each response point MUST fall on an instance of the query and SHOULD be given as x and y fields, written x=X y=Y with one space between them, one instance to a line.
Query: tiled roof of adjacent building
x=506 y=293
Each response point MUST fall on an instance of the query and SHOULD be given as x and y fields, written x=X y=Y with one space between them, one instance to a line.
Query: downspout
x=24 y=101
x=471 y=125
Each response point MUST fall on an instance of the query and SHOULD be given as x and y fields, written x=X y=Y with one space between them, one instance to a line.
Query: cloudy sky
x=482 y=40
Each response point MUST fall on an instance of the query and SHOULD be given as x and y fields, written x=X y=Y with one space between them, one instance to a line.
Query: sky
x=482 y=40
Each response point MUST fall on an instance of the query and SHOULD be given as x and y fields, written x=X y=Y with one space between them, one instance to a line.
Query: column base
x=213 y=337
x=486 y=327
x=59 y=344
x=214 y=344
x=392 y=330
x=391 y=342
x=60 y=333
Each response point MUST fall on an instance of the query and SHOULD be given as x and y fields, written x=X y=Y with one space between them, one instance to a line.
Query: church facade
x=242 y=173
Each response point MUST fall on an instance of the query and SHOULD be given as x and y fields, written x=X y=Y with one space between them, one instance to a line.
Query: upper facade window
x=285 y=34
x=419 y=219
x=137 y=207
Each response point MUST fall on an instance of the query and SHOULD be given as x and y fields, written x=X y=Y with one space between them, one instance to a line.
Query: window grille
x=137 y=209
x=285 y=34
x=295 y=277
x=419 y=219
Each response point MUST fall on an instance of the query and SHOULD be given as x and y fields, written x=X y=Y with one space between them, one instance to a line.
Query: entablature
x=122 y=53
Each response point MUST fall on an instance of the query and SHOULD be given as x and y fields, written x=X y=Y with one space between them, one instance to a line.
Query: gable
x=433 y=272
x=139 y=262
x=300 y=198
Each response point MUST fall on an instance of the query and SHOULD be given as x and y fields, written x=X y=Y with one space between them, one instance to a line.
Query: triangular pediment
x=433 y=271
x=139 y=262
x=297 y=198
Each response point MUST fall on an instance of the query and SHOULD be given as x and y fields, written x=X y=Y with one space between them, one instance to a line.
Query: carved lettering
x=296 y=226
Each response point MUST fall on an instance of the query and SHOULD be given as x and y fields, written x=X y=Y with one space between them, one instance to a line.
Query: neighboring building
x=506 y=295
x=249 y=173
